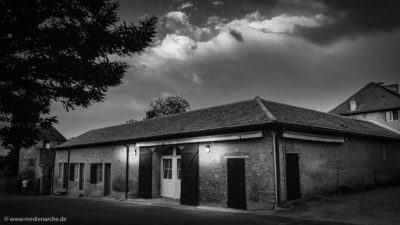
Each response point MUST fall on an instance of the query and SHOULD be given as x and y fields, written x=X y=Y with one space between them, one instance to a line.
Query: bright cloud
x=175 y=47
x=280 y=24
x=186 y=5
x=218 y=3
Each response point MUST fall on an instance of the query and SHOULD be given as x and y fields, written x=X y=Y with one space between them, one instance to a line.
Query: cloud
x=237 y=35
x=352 y=19
x=178 y=22
x=279 y=24
x=175 y=47
x=182 y=52
x=218 y=3
x=186 y=5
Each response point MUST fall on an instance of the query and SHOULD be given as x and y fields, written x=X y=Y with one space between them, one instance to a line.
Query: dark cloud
x=353 y=18
x=236 y=34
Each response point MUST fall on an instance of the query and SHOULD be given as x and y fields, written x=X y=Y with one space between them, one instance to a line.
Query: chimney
x=393 y=87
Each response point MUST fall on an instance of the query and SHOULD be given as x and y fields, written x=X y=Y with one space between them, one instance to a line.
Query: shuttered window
x=96 y=173
x=72 y=171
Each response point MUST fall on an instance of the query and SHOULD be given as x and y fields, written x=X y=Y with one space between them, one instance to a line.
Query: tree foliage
x=59 y=50
x=167 y=106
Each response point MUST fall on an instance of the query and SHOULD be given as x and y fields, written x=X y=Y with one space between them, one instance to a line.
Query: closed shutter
x=72 y=171
x=145 y=172
x=190 y=174
x=65 y=175
x=93 y=173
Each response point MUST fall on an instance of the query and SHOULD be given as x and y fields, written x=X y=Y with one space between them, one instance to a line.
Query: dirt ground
x=379 y=206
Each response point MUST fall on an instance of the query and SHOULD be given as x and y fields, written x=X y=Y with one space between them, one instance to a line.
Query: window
x=167 y=168
x=179 y=168
x=96 y=173
x=31 y=162
x=392 y=116
x=46 y=144
x=76 y=172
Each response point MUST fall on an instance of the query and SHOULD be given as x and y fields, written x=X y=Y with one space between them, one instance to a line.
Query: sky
x=308 y=53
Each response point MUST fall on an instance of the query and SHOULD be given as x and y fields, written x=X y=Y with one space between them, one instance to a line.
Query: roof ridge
x=390 y=91
x=171 y=115
x=314 y=110
x=264 y=108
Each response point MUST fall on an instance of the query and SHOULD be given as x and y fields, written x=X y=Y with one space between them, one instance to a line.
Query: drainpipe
x=127 y=172
x=66 y=187
x=275 y=148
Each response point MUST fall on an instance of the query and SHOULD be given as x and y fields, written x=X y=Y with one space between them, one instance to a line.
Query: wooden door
x=145 y=172
x=292 y=176
x=107 y=179
x=190 y=174
x=236 y=183
x=81 y=175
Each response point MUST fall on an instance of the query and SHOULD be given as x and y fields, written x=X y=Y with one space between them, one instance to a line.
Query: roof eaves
x=367 y=111
x=258 y=126
x=341 y=131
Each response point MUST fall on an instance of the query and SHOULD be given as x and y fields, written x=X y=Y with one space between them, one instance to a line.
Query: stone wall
x=354 y=164
x=116 y=155
x=258 y=172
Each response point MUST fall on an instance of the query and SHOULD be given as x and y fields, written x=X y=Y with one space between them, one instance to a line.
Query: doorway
x=292 y=176
x=81 y=175
x=107 y=179
x=171 y=173
x=236 y=183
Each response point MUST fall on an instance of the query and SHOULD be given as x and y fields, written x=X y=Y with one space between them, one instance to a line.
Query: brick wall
x=258 y=172
x=356 y=163
x=116 y=155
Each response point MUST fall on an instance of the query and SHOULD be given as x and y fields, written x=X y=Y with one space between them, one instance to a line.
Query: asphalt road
x=89 y=211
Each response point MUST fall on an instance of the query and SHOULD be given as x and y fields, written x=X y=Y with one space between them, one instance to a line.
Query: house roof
x=48 y=134
x=371 y=98
x=51 y=134
x=250 y=114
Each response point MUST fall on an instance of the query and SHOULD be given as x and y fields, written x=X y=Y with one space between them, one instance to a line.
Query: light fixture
x=207 y=148
x=134 y=151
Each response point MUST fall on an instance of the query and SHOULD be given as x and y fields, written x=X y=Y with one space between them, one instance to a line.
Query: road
x=93 y=211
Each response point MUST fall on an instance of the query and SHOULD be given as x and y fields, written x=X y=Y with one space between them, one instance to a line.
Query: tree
x=167 y=106
x=59 y=50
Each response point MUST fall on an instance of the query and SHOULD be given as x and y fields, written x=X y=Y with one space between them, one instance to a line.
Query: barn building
x=253 y=154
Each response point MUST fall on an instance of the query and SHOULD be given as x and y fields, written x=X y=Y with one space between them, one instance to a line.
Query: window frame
x=392 y=115
x=31 y=162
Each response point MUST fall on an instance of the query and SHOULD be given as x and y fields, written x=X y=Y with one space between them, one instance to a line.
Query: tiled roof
x=287 y=114
x=244 y=114
x=371 y=98
x=51 y=134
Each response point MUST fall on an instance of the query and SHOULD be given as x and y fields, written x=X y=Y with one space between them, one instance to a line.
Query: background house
x=37 y=162
x=253 y=154
x=3 y=151
x=375 y=102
